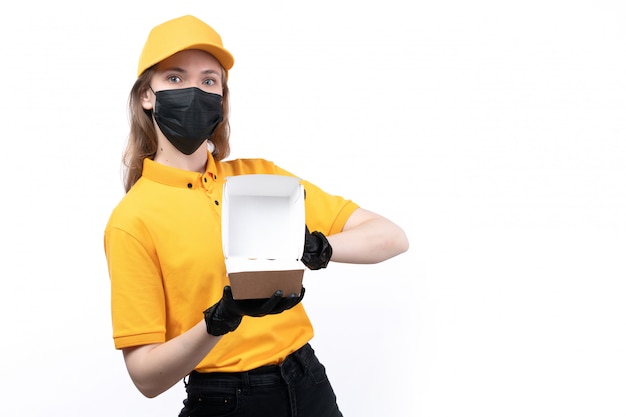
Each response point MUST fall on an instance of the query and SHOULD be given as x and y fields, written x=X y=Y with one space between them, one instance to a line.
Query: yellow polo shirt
x=163 y=245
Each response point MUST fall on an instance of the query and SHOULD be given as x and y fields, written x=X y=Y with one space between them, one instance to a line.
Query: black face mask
x=187 y=116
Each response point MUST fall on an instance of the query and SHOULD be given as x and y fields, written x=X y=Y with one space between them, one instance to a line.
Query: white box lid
x=263 y=220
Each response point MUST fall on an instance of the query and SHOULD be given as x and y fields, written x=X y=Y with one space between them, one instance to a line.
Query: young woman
x=173 y=314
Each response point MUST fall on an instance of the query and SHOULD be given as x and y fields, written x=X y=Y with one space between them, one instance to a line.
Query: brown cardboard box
x=263 y=234
x=263 y=284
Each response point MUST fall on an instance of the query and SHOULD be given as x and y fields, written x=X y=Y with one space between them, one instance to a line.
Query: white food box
x=263 y=224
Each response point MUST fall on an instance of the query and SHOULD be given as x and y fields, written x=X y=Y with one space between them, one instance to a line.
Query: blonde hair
x=142 y=139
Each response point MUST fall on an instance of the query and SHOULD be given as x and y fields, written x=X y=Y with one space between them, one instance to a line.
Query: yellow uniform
x=164 y=250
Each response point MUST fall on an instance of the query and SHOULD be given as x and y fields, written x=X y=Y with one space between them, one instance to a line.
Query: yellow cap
x=186 y=32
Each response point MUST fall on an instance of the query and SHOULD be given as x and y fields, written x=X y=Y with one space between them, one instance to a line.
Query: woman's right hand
x=226 y=315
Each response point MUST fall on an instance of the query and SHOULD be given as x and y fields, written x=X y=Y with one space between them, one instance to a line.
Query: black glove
x=317 y=250
x=225 y=315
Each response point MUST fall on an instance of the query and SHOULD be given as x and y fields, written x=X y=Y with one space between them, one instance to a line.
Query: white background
x=492 y=131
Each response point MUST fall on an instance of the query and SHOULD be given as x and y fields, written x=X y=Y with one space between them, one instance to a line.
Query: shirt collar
x=176 y=177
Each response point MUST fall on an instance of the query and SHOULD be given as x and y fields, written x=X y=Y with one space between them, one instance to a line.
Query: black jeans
x=298 y=387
